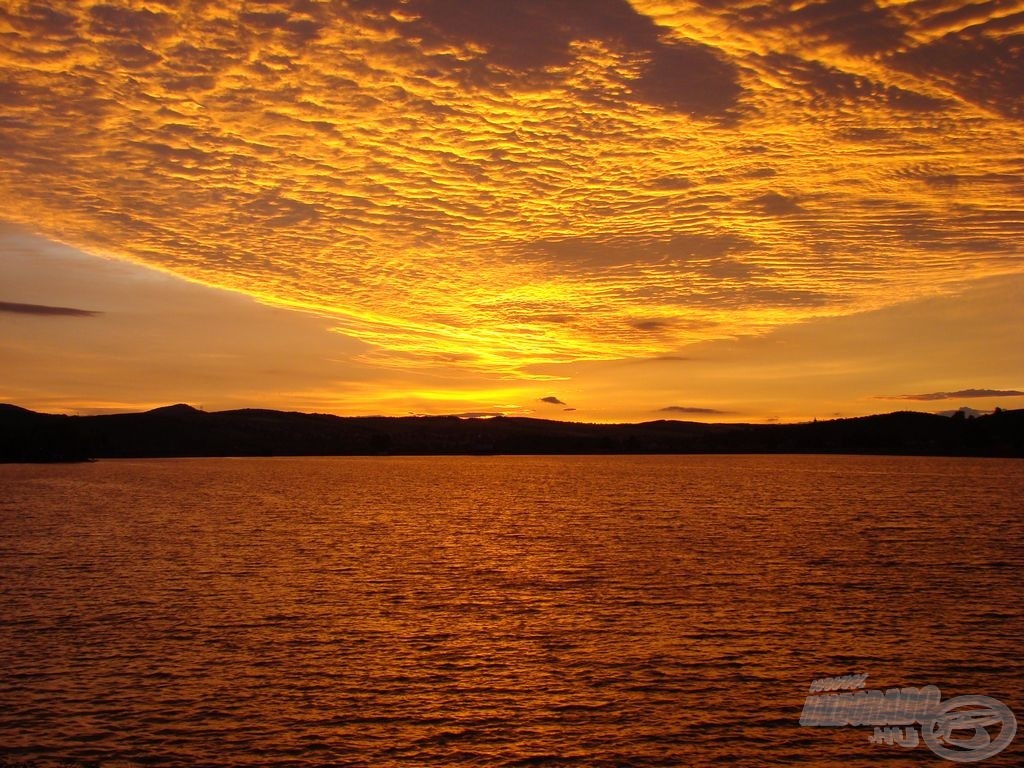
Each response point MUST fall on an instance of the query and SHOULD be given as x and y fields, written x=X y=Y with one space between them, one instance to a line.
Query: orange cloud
x=501 y=185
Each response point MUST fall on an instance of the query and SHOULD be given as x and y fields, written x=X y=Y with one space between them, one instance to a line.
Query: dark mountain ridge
x=182 y=431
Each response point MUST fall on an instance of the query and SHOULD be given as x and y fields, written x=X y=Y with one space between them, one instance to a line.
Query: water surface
x=496 y=611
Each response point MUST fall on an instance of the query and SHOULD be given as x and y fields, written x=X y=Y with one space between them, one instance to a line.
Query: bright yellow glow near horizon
x=501 y=186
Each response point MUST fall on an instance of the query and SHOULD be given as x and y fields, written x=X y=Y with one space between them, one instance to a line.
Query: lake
x=497 y=611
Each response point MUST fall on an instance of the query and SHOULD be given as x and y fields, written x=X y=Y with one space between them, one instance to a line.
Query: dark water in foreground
x=497 y=611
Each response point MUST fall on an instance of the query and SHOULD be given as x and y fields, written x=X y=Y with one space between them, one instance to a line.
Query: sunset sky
x=597 y=210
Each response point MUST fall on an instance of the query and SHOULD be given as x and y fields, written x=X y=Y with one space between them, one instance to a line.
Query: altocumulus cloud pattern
x=504 y=183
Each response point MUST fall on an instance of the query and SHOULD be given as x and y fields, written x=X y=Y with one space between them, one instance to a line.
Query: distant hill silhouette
x=180 y=430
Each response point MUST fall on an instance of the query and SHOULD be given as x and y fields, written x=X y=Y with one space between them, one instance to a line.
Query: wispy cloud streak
x=44 y=310
x=963 y=393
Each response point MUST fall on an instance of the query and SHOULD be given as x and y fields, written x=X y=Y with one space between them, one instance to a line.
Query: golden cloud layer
x=505 y=183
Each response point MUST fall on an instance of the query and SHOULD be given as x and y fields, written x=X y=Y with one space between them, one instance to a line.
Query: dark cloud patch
x=301 y=22
x=731 y=269
x=556 y=319
x=598 y=253
x=520 y=36
x=454 y=357
x=552 y=400
x=861 y=26
x=591 y=252
x=817 y=79
x=787 y=297
x=749 y=296
x=867 y=135
x=720 y=295
x=689 y=79
x=825 y=83
x=520 y=39
x=958 y=394
x=940 y=176
x=672 y=183
x=171 y=154
x=692 y=410
x=276 y=210
x=967 y=14
x=188 y=59
x=775 y=204
x=975 y=230
x=44 y=310
x=14 y=92
x=912 y=101
x=703 y=245
x=39 y=20
x=142 y=26
x=652 y=325
x=932 y=176
x=982 y=69
x=264 y=19
x=191 y=84
x=132 y=55
x=988 y=245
